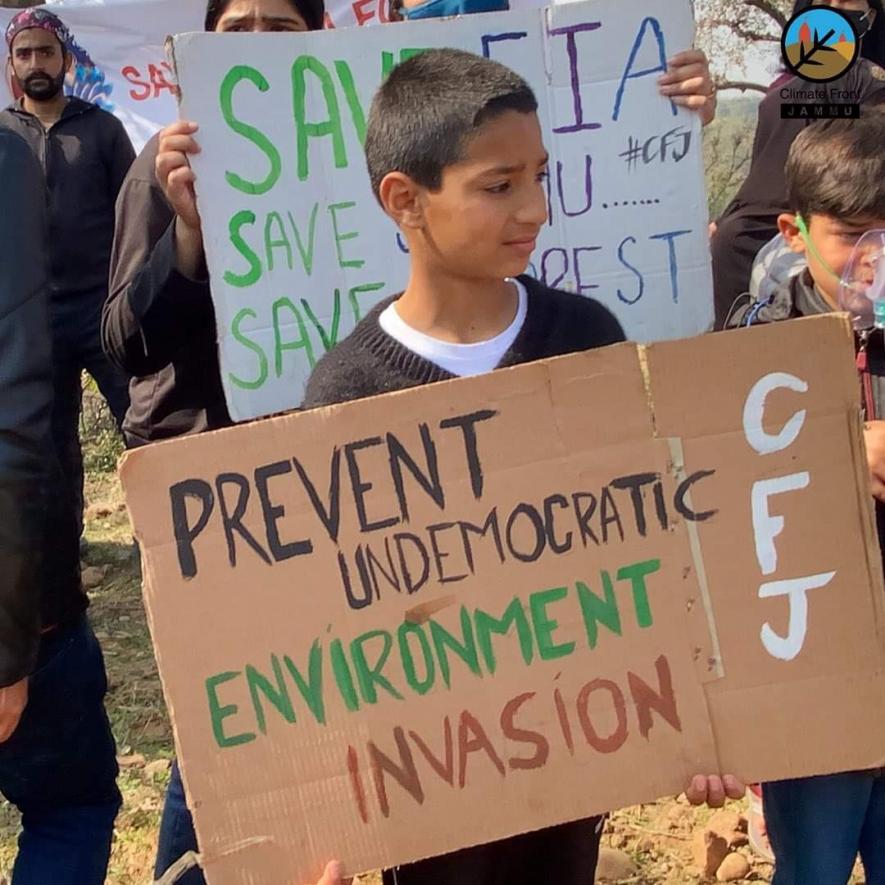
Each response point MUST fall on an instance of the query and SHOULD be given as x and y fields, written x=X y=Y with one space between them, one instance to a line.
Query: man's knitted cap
x=38 y=18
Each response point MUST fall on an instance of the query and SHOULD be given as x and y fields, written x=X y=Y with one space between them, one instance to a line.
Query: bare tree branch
x=728 y=28
x=743 y=85
x=751 y=35
x=770 y=9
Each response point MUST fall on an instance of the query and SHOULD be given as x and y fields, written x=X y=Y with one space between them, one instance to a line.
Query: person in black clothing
x=456 y=159
x=85 y=154
x=750 y=220
x=836 y=189
x=57 y=756
x=158 y=323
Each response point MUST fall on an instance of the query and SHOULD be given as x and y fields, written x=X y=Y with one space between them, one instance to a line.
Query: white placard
x=297 y=247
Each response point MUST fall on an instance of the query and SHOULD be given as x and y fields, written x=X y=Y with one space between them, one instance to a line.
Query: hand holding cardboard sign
x=332 y=875
x=714 y=790
x=688 y=82
x=176 y=178
x=13 y=700
x=874 y=436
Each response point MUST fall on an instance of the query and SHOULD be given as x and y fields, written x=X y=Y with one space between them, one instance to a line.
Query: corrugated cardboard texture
x=603 y=641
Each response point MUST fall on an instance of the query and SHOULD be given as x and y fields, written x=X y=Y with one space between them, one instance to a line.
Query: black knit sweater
x=370 y=362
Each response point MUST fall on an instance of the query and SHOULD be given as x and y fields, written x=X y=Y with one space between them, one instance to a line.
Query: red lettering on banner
x=134 y=76
x=151 y=84
x=159 y=81
x=362 y=15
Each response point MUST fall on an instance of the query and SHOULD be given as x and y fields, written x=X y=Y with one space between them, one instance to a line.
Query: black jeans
x=76 y=340
x=59 y=768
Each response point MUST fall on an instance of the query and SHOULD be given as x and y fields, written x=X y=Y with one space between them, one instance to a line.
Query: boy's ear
x=401 y=199
x=786 y=224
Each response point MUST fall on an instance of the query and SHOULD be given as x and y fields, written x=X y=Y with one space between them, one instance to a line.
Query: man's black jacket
x=85 y=157
x=25 y=401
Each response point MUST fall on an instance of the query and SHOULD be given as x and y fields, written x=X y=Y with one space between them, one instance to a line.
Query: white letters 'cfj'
x=796 y=589
x=766 y=526
x=754 y=409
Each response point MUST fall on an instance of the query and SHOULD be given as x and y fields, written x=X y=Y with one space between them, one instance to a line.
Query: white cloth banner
x=120 y=59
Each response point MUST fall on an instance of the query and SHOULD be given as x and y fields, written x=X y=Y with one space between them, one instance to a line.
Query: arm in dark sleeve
x=869 y=82
x=609 y=327
x=152 y=308
x=25 y=403
x=593 y=325
x=121 y=156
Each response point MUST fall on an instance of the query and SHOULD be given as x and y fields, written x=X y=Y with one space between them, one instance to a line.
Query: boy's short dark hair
x=430 y=106
x=837 y=168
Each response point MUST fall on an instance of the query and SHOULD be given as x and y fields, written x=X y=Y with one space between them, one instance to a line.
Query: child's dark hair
x=430 y=106
x=837 y=168
x=312 y=11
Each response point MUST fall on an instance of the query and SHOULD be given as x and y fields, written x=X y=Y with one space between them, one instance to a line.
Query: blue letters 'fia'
x=630 y=74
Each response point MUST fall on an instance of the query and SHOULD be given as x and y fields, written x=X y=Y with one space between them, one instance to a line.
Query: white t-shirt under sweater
x=459 y=359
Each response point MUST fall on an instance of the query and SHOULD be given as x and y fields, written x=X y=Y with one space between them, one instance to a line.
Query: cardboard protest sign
x=297 y=247
x=397 y=627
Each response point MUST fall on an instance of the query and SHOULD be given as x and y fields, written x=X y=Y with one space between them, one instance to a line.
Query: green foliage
x=99 y=437
x=728 y=143
x=742 y=109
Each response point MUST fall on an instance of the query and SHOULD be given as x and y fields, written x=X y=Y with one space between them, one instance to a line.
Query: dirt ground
x=643 y=845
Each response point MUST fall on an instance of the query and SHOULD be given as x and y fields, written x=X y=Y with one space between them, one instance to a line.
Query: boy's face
x=832 y=244
x=482 y=224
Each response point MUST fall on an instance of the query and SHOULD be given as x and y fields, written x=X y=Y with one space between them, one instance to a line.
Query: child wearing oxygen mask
x=836 y=187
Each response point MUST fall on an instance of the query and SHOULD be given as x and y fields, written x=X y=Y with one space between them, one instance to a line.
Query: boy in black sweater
x=456 y=159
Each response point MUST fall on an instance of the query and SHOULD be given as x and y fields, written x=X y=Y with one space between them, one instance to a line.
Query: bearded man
x=85 y=154
x=57 y=757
